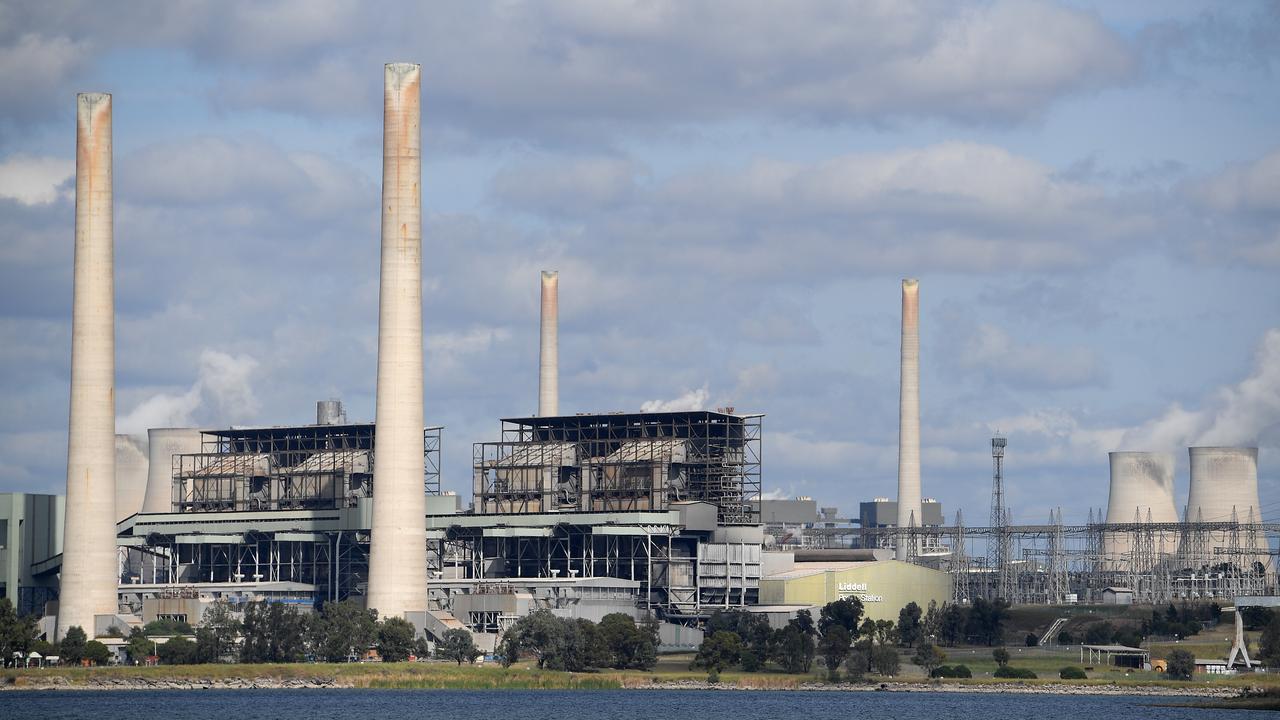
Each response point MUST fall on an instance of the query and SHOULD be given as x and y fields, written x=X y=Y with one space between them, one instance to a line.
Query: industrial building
x=30 y=545
x=884 y=586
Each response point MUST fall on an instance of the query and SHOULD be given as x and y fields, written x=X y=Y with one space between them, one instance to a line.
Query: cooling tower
x=909 y=412
x=397 y=553
x=162 y=445
x=548 y=346
x=1141 y=487
x=131 y=475
x=89 y=578
x=1223 y=480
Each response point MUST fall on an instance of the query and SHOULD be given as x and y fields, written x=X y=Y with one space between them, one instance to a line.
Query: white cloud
x=1002 y=359
x=33 y=180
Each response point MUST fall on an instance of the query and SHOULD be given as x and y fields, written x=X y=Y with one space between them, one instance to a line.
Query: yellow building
x=884 y=586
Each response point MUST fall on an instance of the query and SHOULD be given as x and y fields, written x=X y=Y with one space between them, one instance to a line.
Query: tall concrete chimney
x=162 y=445
x=909 y=413
x=549 y=347
x=397 y=553
x=89 y=579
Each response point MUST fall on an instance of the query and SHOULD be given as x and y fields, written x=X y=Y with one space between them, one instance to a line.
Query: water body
x=577 y=705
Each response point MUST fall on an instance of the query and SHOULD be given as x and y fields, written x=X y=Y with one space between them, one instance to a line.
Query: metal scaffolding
x=622 y=462
x=309 y=467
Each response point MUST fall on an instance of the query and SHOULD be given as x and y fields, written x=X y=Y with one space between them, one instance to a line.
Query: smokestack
x=909 y=412
x=549 y=347
x=162 y=445
x=397 y=553
x=131 y=475
x=89 y=579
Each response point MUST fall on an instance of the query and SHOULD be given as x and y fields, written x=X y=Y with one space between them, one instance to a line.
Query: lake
x=574 y=705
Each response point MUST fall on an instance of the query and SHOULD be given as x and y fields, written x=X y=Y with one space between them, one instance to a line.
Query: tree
x=540 y=633
x=457 y=645
x=508 y=649
x=585 y=648
x=803 y=621
x=206 y=650
x=177 y=651
x=1031 y=640
x=909 y=625
x=1269 y=642
x=72 y=647
x=845 y=612
x=273 y=633
x=97 y=653
x=17 y=632
x=986 y=621
x=884 y=658
x=951 y=626
x=1001 y=656
x=224 y=626
x=718 y=651
x=343 y=629
x=834 y=647
x=1181 y=665
x=139 y=646
x=630 y=646
x=929 y=658
x=395 y=639
x=793 y=648
x=931 y=626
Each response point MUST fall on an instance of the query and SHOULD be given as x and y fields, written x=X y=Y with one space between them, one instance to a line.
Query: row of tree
x=578 y=644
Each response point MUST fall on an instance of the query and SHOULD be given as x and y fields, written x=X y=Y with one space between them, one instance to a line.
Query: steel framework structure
x=309 y=467
x=622 y=462
x=1049 y=564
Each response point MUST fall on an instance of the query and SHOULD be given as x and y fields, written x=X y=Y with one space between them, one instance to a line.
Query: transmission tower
x=998 y=546
x=959 y=564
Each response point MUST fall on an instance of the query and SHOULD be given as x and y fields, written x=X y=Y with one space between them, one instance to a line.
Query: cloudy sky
x=1089 y=193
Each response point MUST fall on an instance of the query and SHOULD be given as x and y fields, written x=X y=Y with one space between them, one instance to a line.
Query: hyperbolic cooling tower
x=397 y=553
x=548 y=347
x=909 y=414
x=89 y=577
x=1224 y=480
x=162 y=445
x=131 y=475
x=1141 y=489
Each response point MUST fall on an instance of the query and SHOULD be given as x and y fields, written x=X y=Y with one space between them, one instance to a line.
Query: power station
x=657 y=514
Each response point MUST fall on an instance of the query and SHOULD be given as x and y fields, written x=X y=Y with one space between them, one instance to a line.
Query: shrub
x=1005 y=671
x=1031 y=640
x=1181 y=665
x=953 y=671
x=1072 y=672
x=1001 y=656
x=713 y=677
x=97 y=653
x=855 y=668
x=1066 y=638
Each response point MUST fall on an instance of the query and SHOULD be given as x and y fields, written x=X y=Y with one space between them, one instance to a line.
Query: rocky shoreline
x=57 y=682
x=1001 y=688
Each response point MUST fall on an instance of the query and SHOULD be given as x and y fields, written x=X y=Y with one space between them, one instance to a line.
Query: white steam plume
x=221 y=394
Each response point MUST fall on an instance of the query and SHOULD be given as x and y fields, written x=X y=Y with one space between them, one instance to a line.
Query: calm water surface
x=576 y=705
